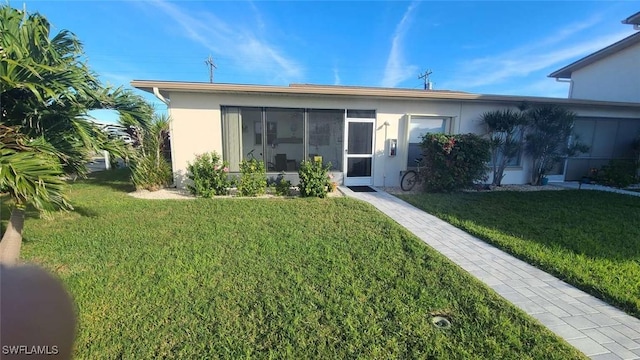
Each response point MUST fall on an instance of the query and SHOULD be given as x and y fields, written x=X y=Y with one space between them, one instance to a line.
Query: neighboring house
x=354 y=128
x=610 y=74
x=115 y=131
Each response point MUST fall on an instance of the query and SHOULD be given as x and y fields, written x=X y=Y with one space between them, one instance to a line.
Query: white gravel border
x=183 y=194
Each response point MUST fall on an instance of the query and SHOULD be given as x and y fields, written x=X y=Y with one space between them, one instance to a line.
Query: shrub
x=618 y=173
x=209 y=175
x=149 y=169
x=150 y=172
x=453 y=162
x=314 y=179
x=253 y=178
x=283 y=187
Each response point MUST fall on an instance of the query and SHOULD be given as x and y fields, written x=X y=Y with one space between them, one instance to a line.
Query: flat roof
x=356 y=91
x=565 y=72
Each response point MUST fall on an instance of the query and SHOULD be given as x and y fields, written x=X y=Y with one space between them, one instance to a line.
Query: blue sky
x=482 y=47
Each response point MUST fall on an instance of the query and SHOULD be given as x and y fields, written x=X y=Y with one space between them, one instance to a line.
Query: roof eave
x=633 y=19
x=331 y=91
x=565 y=72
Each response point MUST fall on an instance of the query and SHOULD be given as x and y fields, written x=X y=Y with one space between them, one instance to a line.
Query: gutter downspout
x=156 y=92
x=570 y=81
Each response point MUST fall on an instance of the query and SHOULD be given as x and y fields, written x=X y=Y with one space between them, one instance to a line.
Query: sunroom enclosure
x=284 y=137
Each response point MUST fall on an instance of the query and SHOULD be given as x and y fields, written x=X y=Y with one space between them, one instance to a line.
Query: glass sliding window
x=418 y=127
x=326 y=129
x=283 y=135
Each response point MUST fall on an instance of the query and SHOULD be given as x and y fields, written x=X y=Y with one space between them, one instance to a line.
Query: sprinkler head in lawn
x=440 y=321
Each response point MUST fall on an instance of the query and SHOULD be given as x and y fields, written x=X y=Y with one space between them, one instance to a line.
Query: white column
x=107 y=163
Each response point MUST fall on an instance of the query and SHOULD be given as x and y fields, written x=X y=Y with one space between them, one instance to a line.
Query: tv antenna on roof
x=425 y=78
x=209 y=62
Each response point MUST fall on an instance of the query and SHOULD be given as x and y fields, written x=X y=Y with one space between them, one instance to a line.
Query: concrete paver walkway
x=597 y=329
x=576 y=185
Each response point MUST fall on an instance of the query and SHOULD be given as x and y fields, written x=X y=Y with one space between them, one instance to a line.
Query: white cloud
x=396 y=70
x=336 y=76
x=245 y=48
x=550 y=53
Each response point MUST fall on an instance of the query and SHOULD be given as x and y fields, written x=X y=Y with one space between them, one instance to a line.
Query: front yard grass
x=590 y=239
x=266 y=278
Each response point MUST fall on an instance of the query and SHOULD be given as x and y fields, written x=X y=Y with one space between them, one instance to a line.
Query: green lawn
x=267 y=278
x=590 y=239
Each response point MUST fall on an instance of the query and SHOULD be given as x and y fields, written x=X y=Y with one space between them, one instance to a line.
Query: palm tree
x=150 y=170
x=504 y=128
x=550 y=127
x=46 y=90
x=31 y=175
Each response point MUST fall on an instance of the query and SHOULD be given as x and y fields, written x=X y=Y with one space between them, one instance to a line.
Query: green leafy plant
x=314 y=179
x=150 y=173
x=283 y=186
x=504 y=130
x=618 y=173
x=46 y=91
x=149 y=168
x=453 y=162
x=209 y=174
x=253 y=178
x=547 y=138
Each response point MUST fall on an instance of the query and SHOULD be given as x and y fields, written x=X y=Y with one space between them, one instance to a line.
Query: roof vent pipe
x=156 y=92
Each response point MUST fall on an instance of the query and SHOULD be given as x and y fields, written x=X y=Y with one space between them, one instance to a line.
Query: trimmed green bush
x=150 y=172
x=618 y=173
x=453 y=162
x=253 y=178
x=283 y=187
x=314 y=179
x=209 y=174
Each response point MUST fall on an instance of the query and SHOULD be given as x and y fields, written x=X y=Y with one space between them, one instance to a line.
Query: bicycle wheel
x=409 y=179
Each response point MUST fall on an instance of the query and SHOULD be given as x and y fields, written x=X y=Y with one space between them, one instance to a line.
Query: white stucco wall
x=614 y=78
x=197 y=125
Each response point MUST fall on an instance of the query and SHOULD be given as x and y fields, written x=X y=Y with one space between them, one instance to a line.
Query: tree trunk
x=12 y=238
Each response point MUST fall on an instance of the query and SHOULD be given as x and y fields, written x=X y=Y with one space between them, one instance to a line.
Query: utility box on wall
x=393 y=147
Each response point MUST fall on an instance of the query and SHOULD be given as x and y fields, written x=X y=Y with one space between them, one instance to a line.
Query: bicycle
x=269 y=164
x=411 y=177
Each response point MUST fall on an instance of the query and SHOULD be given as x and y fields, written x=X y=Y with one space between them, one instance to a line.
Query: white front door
x=358 y=158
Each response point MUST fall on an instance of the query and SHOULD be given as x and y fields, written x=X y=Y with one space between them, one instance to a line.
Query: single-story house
x=369 y=135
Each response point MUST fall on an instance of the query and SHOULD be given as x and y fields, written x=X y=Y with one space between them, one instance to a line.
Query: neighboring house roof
x=565 y=72
x=633 y=19
x=356 y=91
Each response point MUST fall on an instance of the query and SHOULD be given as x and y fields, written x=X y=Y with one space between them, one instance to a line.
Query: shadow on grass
x=117 y=179
x=85 y=211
